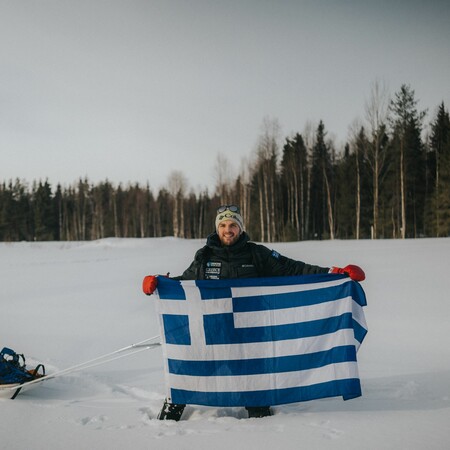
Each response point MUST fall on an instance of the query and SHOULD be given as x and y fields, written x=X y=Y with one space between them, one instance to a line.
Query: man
x=228 y=253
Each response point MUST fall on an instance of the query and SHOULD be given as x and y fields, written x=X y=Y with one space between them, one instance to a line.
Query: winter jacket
x=244 y=259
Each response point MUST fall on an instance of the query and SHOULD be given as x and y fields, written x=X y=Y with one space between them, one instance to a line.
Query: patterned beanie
x=230 y=215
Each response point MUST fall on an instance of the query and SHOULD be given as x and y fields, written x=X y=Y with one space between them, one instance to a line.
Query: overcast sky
x=132 y=90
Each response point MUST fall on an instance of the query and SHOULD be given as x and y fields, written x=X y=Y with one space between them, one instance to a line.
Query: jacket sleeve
x=191 y=272
x=194 y=269
x=274 y=264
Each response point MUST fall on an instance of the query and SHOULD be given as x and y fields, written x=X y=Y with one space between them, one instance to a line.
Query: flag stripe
x=262 y=365
x=289 y=284
x=261 y=382
x=219 y=329
x=348 y=388
x=290 y=299
x=263 y=318
x=359 y=331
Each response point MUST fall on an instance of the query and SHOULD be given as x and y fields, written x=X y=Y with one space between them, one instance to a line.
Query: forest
x=390 y=180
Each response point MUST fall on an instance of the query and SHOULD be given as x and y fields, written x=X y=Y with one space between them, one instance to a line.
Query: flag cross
x=190 y=322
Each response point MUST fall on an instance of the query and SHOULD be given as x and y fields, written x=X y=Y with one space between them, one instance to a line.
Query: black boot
x=171 y=411
x=258 y=411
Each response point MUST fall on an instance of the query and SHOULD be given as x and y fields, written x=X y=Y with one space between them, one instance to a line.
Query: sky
x=133 y=91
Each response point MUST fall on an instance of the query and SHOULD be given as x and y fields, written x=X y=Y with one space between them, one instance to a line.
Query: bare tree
x=177 y=185
x=329 y=205
x=223 y=178
x=357 y=140
x=244 y=190
x=376 y=110
x=267 y=153
x=309 y=136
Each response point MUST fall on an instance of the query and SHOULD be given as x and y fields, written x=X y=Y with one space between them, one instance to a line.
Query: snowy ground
x=65 y=303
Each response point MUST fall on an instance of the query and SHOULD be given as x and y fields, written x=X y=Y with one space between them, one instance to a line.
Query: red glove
x=149 y=284
x=354 y=272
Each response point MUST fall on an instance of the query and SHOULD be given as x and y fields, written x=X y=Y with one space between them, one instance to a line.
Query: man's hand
x=149 y=284
x=354 y=272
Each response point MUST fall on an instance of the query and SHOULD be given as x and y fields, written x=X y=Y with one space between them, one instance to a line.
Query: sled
x=14 y=372
x=11 y=390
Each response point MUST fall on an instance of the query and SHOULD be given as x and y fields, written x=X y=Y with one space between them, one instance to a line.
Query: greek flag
x=261 y=341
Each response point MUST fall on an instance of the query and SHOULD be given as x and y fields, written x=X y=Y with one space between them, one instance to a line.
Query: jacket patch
x=213 y=264
x=212 y=270
x=275 y=254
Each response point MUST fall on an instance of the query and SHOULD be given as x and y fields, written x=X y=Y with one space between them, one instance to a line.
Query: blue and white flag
x=261 y=341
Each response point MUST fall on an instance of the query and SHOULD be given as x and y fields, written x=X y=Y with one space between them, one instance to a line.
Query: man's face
x=228 y=232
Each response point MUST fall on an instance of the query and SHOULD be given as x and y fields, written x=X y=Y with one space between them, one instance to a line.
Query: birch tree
x=376 y=110
x=177 y=185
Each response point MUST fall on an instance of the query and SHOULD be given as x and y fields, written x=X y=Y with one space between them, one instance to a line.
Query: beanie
x=230 y=215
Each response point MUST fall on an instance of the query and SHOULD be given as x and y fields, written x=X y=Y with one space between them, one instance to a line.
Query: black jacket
x=244 y=259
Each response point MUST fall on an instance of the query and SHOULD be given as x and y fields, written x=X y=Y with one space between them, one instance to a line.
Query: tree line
x=391 y=180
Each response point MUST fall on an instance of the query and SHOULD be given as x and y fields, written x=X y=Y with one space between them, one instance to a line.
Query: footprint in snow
x=328 y=432
x=92 y=420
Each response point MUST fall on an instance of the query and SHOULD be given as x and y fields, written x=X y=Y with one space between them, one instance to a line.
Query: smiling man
x=229 y=227
x=228 y=253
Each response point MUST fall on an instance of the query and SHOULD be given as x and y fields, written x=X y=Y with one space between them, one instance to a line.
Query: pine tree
x=346 y=198
x=406 y=124
x=440 y=146
x=321 y=195
x=45 y=219
x=16 y=219
x=293 y=182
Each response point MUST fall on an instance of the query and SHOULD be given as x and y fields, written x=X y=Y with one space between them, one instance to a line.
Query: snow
x=66 y=303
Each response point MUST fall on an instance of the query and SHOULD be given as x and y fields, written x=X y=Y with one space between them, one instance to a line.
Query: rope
x=108 y=357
